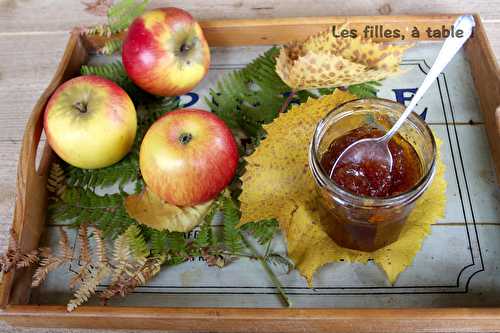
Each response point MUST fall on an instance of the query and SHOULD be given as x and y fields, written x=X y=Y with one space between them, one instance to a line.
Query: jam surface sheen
x=371 y=178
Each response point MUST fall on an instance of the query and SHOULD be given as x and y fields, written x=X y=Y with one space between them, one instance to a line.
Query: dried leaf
x=97 y=7
x=84 y=244
x=278 y=184
x=128 y=282
x=147 y=208
x=323 y=60
x=100 y=247
x=88 y=287
x=67 y=251
x=46 y=265
x=277 y=173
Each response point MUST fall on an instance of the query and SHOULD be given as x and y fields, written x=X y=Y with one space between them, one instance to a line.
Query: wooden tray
x=31 y=202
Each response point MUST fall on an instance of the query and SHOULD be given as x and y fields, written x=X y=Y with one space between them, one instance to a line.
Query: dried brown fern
x=85 y=258
x=56 y=181
x=52 y=262
x=127 y=283
x=90 y=278
x=121 y=258
x=97 y=7
x=88 y=287
x=46 y=265
x=15 y=258
x=100 y=247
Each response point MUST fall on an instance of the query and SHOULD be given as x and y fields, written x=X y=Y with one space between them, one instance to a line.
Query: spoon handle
x=448 y=50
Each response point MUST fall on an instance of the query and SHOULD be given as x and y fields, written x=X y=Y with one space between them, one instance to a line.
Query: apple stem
x=287 y=101
x=81 y=107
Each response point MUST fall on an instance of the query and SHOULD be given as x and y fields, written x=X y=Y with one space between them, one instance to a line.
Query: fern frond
x=67 y=252
x=263 y=231
x=176 y=242
x=204 y=237
x=83 y=274
x=365 y=90
x=232 y=236
x=88 y=287
x=250 y=97
x=100 y=247
x=56 y=181
x=113 y=71
x=127 y=284
x=80 y=206
x=149 y=270
x=102 y=30
x=28 y=259
x=85 y=255
x=137 y=243
x=121 y=257
x=121 y=15
x=46 y=265
x=158 y=241
x=111 y=47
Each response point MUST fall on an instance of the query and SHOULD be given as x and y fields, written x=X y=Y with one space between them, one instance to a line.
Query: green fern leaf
x=263 y=231
x=121 y=15
x=365 y=90
x=137 y=243
x=232 y=236
x=78 y=206
x=158 y=242
x=250 y=97
x=113 y=71
x=111 y=46
x=204 y=237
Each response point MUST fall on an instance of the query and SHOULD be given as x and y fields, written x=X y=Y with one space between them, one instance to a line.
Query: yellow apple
x=90 y=122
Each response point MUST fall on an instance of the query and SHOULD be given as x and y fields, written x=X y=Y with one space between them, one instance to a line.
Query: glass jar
x=360 y=222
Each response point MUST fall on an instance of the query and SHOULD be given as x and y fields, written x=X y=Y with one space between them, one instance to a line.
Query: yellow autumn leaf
x=148 y=209
x=277 y=173
x=323 y=60
x=278 y=184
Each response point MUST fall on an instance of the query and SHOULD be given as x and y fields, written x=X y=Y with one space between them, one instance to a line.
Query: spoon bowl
x=369 y=149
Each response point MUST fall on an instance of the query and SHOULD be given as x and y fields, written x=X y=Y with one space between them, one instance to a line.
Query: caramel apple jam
x=369 y=212
x=370 y=178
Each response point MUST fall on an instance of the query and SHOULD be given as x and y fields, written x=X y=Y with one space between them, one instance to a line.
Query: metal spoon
x=377 y=149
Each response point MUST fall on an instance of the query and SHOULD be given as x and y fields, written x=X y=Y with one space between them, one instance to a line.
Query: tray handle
x=31 y=194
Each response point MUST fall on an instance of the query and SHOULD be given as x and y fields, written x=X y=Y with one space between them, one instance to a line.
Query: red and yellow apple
x=188 y=156
x=165 y=52
x=90 y=122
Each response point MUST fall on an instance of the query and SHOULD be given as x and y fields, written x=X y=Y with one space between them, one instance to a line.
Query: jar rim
x=324 y=180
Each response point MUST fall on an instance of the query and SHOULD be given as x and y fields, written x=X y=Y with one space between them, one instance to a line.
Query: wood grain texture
x=54 y=15
x=255 y=320
x=486 y=75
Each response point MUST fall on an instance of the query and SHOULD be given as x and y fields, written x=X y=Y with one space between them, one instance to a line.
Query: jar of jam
x=368 y=205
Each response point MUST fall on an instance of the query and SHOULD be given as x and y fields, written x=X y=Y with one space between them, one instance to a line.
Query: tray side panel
x=260 y=320
x=283 y=30
x=486 y=75
x=31 y=198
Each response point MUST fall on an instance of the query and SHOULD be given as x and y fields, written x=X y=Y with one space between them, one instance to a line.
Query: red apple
x=165 y=52
x=188 y=156
x=90 y=122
